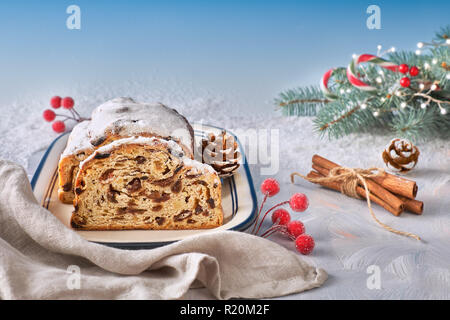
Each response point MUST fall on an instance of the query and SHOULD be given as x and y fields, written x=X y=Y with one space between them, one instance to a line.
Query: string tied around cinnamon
x=349 y=179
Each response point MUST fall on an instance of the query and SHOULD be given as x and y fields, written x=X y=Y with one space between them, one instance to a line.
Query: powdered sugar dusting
x=198 y=166
x=126 y=117
x=172 y=145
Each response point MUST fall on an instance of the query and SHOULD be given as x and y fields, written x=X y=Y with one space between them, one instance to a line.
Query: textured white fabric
x=37 y=252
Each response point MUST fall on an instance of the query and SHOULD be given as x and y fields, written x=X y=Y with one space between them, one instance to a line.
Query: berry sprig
x=67 y=103
x=281 y=219
x=405 y=82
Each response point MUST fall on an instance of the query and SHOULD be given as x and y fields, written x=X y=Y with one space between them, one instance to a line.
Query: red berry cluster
x=67 y=103
x=405 y=82
x=281 y=218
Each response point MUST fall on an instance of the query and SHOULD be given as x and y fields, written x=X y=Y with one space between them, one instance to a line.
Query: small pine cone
x=221 y=153
x=401 y=155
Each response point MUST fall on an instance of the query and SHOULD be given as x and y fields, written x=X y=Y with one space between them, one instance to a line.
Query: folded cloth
x=40 y=258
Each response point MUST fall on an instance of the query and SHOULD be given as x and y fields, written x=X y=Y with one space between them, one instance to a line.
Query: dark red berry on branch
x=405 y=82
x=403 y=68
x=68 y=103
x=295 y=228
x=270 y=187
x=59 y=126
x=281 y=217
x=304 y=244
x=414 y=71
x=298 y=202
x=55 y=102
x=49 y=115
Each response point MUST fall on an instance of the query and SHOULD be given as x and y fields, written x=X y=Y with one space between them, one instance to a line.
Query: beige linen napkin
x=42 y=259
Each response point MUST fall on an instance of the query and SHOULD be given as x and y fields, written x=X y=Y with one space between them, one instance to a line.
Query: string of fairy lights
x=424 y=92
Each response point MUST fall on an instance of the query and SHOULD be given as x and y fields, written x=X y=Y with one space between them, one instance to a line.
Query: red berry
x=405 y=82
x=295 y=228
x=270 y=187
x=281 y=217
x=68 y=103
x=59 y=126
x=304 y=244
x=403 y=68
x=299 y=202
x=49 y=115
x=414 y=71
x=55 y=102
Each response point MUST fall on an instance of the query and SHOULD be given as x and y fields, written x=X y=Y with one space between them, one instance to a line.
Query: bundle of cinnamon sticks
x=393 y=193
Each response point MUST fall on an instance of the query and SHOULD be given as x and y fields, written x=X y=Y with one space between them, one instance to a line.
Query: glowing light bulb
x=341 y=91
x=447 y=76
x=426 y=65
x=403 y=104
x=379 y=47
x=383 y=99
x=398 y=93
x=420 y=45
x=434 y=61
x=354 y=56
x=376 y=113
x=392 y=49
x=423 y=105
x=443 y=111
x=363 y=106
x=421 y=86
x=418 y=52
x=348 y=90
x=447 y=41
x=379 y=80
x=433 y=87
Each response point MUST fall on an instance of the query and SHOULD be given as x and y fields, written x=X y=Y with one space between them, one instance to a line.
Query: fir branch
x=408 y=57
x=345 y=115
x=420 y=124
x=415 y=112
x=301 y=101
x=443 y=34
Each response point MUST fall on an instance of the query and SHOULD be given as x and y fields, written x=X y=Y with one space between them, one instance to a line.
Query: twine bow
x=349 y=179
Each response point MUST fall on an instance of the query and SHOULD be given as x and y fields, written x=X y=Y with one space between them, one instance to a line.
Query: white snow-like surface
x=347 y=239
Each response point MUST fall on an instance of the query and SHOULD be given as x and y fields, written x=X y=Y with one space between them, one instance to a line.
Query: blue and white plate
x=238 y=201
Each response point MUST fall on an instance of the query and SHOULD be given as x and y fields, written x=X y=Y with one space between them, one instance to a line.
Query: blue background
x=249 y=48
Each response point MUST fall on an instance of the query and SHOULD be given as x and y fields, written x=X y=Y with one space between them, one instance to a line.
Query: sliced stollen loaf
x=145 y=183
x=116 y=119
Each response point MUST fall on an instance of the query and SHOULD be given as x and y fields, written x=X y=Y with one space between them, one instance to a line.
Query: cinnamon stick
x=412 y=205
x=397 y=185
x=362 y=192
x=393 y=201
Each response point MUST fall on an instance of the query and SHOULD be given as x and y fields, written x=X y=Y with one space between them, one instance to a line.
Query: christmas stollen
x=145 y=183
x=115 y=119
x=131 y=167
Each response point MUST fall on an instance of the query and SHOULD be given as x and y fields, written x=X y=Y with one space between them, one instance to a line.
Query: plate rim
x=148 y=245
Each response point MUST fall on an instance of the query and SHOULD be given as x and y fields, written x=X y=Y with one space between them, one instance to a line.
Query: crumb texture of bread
x=139 y=186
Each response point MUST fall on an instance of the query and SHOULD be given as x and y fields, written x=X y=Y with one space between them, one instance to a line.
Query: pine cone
x=221 y=153
x=401 y=155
